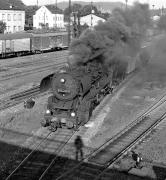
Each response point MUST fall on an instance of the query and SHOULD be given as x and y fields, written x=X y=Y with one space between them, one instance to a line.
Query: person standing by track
x=137 y=158
x=79 y=147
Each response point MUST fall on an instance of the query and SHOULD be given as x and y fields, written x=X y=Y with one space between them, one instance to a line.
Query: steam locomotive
x=76 y=92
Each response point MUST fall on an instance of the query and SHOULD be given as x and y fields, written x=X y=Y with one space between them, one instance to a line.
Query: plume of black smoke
x=115 y=41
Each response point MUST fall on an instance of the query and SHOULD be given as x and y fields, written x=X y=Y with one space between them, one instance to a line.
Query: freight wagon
x=49 y=41
x=19 y=44
x=15 y=44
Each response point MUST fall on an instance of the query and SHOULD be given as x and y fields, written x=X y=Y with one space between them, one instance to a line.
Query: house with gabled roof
x=48 y=16
x=13 y=15
x=91 y=20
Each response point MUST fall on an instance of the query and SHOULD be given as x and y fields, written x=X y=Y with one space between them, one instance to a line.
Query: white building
x=49 y=17
x=14 y=19
x=91 y=20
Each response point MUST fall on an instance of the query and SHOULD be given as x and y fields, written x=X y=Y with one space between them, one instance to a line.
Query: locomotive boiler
x=75 y=93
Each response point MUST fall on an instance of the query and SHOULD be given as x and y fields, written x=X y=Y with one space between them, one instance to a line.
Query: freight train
x=75 y=93
x=20 y=44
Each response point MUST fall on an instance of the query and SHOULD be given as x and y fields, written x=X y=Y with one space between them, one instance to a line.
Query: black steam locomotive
x=76 y=92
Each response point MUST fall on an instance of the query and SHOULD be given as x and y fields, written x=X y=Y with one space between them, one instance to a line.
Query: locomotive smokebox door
x=28 y=104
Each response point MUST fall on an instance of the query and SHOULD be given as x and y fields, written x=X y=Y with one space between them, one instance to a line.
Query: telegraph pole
x=92 y=12
x=162 y=10
x=153 y=6
x=56 y=4
x=126 y=3
x=69 y=24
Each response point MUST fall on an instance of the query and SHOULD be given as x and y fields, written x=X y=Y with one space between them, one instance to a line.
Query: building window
x=19 y=17
x=14 y=17
x=14 y=28
x=3 y=17
x=9 y=17
x=19 y=28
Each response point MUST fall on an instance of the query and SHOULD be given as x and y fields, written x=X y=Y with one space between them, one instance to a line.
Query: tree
x=2 y=26
x=162 y=23
x=87 y=10
x=29 y=12
x=74 y=8
x=81 y=10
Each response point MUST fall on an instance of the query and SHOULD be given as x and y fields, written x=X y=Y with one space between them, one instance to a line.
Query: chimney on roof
x=56 y=4
x=10 y=6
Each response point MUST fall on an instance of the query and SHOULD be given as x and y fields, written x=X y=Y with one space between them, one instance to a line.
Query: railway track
x=41 y=159
x=35 y=164
x=51 y=66
x=35 y=60
x=116 y=147
x=18 y=98
x=96 y=165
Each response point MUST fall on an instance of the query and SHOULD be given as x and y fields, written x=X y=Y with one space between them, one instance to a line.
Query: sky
x=157 y=3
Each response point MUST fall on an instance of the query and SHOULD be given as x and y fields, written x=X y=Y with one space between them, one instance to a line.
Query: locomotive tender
x=76 y=92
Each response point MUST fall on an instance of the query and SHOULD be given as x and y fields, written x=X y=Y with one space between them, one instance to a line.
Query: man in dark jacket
x=137 y=158
x=79 y=145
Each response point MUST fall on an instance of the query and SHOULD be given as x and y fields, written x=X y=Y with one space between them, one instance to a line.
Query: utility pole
x=92 y=11
x=126 y=3
x=37 y=3
x=56 y=4
x=153 y=9
x=162 y=11
x=69 y=24
x=44 y=19
x=153 y=6
x=56 y=8
x=75 y=24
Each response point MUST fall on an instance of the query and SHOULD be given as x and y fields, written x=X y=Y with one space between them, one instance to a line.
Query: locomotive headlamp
x=62 y=80
x=73 y=114
x=48 y=111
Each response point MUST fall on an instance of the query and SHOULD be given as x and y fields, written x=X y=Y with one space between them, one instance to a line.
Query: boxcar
x=18 y=44
x=15 y=44
x=49 y=41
